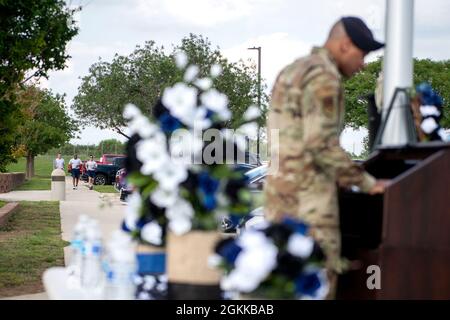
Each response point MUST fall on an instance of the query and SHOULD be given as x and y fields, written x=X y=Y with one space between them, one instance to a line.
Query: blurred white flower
x=253 y=264
x=252 y=113
x=441 y=132
x=429 y=111
x=131 y=111
x=214 y=100
x=184 y=144
x=216 y=70
x=199 y=121
x=428 y=125
x=259 y=261
x=164 y=198
x=152 y=154
x=180 y=226
x=225 y=114
x=149 y=283
x=203 y=83
x=191 y=73
x=144 y=296
x=214 y=260
x=163 y=278
x=141 y=125
x=161 y=287
x=181 y=59
x=252 y=239
x=249 y=129
x=180 y=215
x=132 y=212
x=256 y=223
x=300 y=246
x=137 y=280
x=170 y=175
x=180 y=209
x=237 y=281
x=180 y=100
x=152 y=233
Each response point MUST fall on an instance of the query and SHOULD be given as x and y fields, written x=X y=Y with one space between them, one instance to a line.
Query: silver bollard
x=58 y=184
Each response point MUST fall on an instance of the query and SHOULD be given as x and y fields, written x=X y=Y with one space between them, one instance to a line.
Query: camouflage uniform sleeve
x=321 y=125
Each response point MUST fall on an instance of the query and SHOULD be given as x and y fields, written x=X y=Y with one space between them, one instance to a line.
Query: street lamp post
x=259 y=92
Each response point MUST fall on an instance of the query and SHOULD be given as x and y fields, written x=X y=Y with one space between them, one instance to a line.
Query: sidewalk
x=106 y=208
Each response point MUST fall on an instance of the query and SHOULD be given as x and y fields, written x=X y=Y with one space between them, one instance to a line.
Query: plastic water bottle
x=120 y=268
x=91 y=271
x=76 y=260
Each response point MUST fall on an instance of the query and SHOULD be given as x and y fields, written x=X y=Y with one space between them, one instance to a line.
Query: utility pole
x=259 y=92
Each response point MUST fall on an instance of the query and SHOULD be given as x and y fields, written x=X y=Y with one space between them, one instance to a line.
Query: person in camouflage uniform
x=307 y=110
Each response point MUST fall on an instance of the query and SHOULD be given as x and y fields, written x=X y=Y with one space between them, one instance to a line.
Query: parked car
x=256 y=178
x=106 y=173
x=108 y=158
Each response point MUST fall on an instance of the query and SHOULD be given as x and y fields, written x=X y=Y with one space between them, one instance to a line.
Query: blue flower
x=298 y=226
x=209 y=201
x=207 y=184
x=308 y=284
x=428 y=95
x=169 y=123
x=229 y=251
x=235 y=219
x=209 y=114
x=124 y=227
x=208 y=187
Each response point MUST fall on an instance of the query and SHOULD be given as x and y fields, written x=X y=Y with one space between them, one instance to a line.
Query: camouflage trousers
x=329 y=238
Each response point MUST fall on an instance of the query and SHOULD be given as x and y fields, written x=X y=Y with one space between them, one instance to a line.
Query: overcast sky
x=285 y=29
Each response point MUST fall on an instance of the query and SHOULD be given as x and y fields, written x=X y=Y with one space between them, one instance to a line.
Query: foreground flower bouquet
x=180 y=162
x=273 y=261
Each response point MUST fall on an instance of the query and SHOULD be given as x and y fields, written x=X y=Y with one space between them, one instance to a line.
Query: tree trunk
x=30 y=166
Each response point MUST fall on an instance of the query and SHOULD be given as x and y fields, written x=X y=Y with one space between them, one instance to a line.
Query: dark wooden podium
x=405 y=231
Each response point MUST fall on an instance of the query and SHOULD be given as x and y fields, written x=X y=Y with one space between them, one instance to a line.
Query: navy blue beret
x=360 y=34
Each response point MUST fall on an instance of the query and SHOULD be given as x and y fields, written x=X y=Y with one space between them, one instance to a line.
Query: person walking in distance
x=91 y=166
x=75 y=164
x=58 y=163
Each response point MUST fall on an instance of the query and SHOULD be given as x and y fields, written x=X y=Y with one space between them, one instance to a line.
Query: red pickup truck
x=108 y=158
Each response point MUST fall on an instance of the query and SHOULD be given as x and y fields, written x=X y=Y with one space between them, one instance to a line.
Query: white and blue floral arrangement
x=273 y=261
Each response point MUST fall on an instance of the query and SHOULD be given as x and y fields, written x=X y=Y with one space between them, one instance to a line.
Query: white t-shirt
x=76 y=163
x=91 y=165
x=58 y=163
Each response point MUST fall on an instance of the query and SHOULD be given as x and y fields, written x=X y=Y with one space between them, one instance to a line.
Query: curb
x=7 y=210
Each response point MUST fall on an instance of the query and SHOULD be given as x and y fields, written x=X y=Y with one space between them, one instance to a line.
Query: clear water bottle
x=76 y=258
x=120 y=267
x=91 y=270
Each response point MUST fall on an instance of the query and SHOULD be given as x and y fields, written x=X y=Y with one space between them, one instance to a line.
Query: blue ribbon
x=152 y=262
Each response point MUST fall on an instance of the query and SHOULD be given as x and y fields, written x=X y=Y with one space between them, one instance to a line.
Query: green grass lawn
x=30 y=242
x=2 y=203
x=36 y=183
x=105 y=189
x=43 y=167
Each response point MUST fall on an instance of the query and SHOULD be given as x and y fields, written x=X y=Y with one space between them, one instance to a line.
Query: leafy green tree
x=141 y=77
x=46 y=124
x=111 y=146
x=33 y=38
x=437 y=73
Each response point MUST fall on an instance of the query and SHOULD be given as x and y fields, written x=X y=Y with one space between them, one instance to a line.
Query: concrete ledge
x=7 y=210
x=9 y=181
